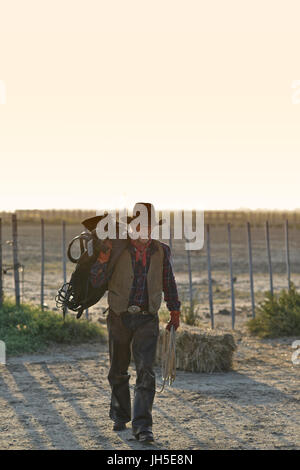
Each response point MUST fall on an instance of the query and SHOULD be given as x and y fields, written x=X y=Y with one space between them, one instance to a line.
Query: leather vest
x=120 y=283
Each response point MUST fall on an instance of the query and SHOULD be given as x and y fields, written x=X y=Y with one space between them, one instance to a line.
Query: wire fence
x=36 y=262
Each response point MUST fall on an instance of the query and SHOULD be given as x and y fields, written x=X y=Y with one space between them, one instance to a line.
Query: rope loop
x=168 y=358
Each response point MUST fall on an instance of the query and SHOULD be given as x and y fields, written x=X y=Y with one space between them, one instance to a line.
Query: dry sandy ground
x=60 y=400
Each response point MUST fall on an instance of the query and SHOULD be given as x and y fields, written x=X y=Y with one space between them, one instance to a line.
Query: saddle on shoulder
x=78 y=294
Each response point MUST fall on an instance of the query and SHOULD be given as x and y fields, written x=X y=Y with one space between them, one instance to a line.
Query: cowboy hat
x=92 y=222
x=139 y=210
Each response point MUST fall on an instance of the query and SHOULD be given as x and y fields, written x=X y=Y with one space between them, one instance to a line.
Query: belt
x=137 y=309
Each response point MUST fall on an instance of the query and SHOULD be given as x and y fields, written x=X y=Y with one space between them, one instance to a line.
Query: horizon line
x=236 y=209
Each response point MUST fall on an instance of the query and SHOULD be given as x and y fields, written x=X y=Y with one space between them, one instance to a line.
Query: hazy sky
x=183 y=103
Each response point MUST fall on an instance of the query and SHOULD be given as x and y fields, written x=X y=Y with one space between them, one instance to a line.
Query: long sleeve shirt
x=139 y=294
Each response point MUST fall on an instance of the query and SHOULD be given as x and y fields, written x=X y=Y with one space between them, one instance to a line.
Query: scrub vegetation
x=29 y=329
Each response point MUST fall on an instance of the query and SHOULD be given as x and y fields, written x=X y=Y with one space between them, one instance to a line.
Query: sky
x=187 y=104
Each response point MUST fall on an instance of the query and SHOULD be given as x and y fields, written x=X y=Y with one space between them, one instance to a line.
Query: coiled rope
x=168 y=358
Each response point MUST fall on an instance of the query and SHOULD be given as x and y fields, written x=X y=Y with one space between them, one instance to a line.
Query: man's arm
x=99 y=268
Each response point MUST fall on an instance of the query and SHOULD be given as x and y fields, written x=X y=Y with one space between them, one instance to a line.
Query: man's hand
x=174 y=321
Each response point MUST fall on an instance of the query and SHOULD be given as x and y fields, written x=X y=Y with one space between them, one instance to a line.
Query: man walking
x=142 y=272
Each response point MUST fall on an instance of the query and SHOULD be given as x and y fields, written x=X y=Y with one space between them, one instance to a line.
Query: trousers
x=136 y=333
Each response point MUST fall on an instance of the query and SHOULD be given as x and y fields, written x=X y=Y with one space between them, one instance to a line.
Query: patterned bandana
x=141 y=250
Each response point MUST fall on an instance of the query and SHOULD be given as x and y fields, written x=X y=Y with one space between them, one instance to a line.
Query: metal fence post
x=42 y=262
x=190 y=281
x=64 y=252
x=1 y=268
x=231 y=277
x=15 y=258
x=269 y=257
x=287 y=250
x=170 y=239
x=210 y=293
x=251 y=269
x=64 y=258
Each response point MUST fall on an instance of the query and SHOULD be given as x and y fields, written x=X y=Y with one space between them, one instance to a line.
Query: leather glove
x=174 y=320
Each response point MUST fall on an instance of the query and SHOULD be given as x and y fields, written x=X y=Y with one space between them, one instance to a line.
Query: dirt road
x=60 y=400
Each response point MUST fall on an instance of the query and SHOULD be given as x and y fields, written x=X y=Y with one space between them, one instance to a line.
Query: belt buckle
x=134 y=309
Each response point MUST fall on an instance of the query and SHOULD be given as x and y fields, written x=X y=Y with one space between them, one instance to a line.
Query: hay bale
x=198 y=351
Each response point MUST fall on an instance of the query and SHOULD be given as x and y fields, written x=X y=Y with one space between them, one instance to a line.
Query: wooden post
x=251 y=269
x=210 y=293
x=1 y=266
x=231 y=277
x=87 y=314
x=42 y=262
x=287 y=251
x=269 y=257
x=190 y=281
x=15 y=258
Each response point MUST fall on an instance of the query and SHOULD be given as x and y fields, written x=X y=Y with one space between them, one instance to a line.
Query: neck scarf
x=141 y=250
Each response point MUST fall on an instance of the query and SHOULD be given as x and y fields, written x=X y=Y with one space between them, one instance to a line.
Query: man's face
x=145 y=233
